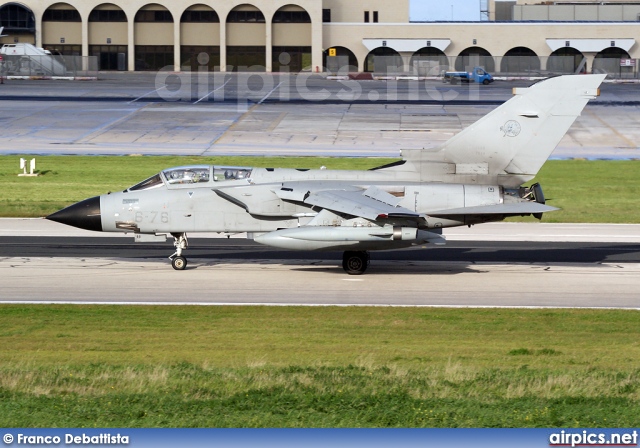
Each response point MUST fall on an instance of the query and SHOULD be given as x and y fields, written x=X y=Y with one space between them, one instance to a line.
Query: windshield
x=152 y=182
x=231 y=172
x=187 y=174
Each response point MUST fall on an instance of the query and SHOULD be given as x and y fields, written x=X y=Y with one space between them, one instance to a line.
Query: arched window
x=383 y=60
x=520 y=60
x=429 y=61
x=566 y=60
x=475 y=56
x=609 y=61
x=344 y=61
x=14 y=17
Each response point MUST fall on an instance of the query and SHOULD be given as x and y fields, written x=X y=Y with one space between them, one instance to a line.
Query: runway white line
x=149 y=93
x=313 y=305
x=214 y=90
x=269 y=94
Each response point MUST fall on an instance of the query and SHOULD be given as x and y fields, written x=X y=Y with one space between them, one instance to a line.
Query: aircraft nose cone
x=84 y=215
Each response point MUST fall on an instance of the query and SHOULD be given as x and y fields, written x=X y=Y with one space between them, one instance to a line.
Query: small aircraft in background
x=474 y=177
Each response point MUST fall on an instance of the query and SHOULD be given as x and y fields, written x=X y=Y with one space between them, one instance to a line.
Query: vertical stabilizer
x=519 y=136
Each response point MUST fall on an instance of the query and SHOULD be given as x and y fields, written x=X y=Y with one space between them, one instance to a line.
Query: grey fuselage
x=251 y=204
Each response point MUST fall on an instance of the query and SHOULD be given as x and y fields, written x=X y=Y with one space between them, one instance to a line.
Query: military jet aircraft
x=474 y=177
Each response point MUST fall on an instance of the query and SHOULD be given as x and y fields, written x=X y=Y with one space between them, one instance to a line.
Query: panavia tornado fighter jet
x=477 y=176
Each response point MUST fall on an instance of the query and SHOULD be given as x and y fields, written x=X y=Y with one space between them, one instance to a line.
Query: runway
x=559 y=269
x=320 y=282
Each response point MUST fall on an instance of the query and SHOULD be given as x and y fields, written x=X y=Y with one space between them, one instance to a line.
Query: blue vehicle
x=478 y=75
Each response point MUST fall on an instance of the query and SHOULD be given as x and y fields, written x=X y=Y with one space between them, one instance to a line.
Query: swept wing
x=371 y=203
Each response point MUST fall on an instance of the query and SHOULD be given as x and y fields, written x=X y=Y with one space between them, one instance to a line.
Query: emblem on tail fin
x=511 y=128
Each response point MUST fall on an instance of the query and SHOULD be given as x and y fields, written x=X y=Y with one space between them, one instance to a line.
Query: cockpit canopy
x=231 y=172
x=187 y=175
x=193 y=174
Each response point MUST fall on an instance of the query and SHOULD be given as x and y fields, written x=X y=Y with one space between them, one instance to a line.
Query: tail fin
x=519 y=136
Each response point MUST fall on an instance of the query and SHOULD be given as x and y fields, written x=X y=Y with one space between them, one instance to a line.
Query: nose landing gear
x=179 y=262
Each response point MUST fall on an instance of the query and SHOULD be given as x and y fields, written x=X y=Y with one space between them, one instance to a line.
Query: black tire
x=485 y=82
x=355 y=262
x=454 y=80
x=179 y=263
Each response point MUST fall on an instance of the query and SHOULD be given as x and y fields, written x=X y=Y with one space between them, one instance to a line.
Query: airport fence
x=49 y=65
x=421 y=66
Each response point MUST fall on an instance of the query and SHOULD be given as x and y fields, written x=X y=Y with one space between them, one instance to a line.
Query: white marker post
x=32 y=168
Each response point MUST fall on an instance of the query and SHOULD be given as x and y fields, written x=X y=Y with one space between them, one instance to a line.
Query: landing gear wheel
x=355 y=262
x=179 y=263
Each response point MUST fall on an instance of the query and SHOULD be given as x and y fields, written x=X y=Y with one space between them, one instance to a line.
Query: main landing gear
x=179 y=262
x=355 y=262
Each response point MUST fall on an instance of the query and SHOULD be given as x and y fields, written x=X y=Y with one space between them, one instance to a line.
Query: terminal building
x=514 y=37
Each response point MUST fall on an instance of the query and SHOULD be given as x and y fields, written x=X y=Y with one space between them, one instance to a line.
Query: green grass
x=587 y=191
x=591 y=191
x=148 y=366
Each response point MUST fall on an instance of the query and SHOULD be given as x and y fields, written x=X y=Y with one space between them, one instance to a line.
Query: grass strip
x=591 y=191
x=153 y=366
x=187 y=395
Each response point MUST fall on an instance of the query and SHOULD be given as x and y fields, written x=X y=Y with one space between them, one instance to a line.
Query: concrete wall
x=504 y=10
x=292 y=34
x=352 y=11
x=584 y=2
x=496 y=38
x=52 y=32
x=99 y=32
x=171 y=33
x=153 y=33
x=246 y=34
x=200 y=34
x=571 y=13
